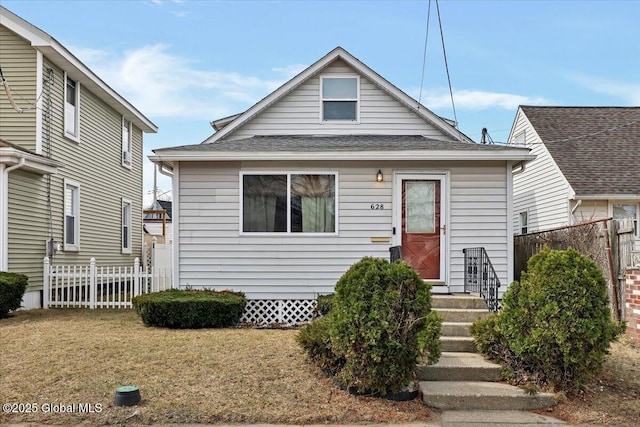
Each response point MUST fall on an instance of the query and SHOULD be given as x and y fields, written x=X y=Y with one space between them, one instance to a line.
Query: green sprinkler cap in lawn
x=127 y=395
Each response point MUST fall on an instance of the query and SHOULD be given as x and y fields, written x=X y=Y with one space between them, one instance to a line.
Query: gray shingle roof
x=310 y=143
x=596 y=148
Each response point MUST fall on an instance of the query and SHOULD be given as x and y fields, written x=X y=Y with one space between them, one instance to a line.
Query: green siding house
x=70 y=160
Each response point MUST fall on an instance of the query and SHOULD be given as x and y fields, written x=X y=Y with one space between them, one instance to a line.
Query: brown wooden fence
x=608 y=242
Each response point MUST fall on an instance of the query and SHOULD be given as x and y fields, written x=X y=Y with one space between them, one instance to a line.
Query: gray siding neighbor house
x=70 y=160
x=586 y=166
x=335 y=165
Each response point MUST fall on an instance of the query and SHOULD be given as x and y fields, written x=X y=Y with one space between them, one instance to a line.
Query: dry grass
x=611 y=399
x=185 y=376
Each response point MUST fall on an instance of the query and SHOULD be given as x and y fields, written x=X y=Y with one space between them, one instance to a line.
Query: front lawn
x=58 y=358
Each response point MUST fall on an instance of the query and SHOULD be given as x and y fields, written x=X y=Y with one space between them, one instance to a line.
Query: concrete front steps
x=463 y=379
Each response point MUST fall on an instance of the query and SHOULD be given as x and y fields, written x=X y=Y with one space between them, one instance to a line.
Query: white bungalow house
x=334 y=165
x=586 y=166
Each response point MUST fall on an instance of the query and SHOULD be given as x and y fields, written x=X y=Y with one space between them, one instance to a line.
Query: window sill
x=72 y=137
x=70 y=248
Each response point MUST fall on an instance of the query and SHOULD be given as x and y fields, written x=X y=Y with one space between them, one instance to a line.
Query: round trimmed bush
x=556 y=321
x=381 y=325
x=190 y=309
x=12 y=289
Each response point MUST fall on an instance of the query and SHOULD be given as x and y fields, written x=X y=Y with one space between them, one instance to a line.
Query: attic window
x=339 y=98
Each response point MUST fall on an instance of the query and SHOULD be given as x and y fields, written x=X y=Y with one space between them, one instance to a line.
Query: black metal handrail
x=480 y=277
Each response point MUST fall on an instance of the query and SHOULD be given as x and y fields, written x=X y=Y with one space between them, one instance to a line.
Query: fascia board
x=607 y=196
x=177 y=156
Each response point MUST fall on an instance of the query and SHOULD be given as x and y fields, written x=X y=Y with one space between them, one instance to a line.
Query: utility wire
x=446 y=65
x=424 y=54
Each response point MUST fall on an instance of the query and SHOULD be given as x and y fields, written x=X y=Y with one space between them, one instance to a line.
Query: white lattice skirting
x=279 y=311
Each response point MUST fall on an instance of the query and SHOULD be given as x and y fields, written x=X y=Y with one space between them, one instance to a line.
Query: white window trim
x=124 y=154
x=288 y=232
x=521 y=224
x=71 y=247
x=126 y=250
x=356 y=99
x=72 y=136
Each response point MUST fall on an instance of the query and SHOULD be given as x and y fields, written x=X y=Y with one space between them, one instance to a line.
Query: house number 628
x=377 y=206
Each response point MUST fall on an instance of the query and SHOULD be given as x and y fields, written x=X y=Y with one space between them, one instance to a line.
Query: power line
x=446 y=64
x=424 y=54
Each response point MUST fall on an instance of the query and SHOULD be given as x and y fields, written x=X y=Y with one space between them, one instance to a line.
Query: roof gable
x=336 y=58
x=596 y=148
x=64 y=59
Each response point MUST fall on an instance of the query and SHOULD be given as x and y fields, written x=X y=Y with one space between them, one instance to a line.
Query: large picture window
x=289 y=203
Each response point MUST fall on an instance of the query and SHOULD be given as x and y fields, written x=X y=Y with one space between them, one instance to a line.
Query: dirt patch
x=67 y=364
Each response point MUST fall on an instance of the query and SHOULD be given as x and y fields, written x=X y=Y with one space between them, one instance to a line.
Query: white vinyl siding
x=540 y=189
x=71 y=224
x=299 y=112
x=71 y=108
x=213 y=253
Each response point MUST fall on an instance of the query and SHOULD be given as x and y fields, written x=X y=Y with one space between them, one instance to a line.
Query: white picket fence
x=93 y=286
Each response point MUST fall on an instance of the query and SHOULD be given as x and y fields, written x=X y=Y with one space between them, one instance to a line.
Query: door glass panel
x=420 y=207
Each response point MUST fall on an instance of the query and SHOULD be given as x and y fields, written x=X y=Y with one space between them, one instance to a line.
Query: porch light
x=379 y=176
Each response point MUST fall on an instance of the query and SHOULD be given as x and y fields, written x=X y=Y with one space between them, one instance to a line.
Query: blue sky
x=184 y=63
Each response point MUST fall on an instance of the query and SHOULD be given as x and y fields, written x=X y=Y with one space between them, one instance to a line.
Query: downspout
x=578 y=203
x=4 y=212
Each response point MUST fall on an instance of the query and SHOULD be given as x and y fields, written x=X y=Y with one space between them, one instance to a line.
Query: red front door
x=421 y=226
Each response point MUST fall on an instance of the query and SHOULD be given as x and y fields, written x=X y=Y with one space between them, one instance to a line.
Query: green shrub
x=315 y=340
x=379 y=324
x=190 y=309
x=325 y=304
x=12 y=289
x=556 y=321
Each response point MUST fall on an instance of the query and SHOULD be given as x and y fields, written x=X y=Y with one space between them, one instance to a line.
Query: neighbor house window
x=627 y=210
x=71 y=216
x=126 y=143
x=71 y=108
x=524 y=222
x=339 y=98
x=289 y=203
x=126 y=226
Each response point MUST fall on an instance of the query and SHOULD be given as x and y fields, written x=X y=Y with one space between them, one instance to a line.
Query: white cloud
x=479 y=100
x=629 y=92
x=166 y=85
x=290 y=70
